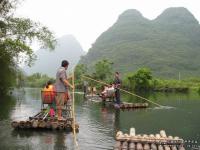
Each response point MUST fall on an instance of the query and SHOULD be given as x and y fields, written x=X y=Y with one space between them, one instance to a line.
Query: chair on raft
x=48 y=97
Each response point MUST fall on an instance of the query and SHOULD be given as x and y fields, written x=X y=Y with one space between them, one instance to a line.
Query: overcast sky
x=87 y=19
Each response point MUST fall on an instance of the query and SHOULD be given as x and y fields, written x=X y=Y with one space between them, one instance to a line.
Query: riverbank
x=137 y=82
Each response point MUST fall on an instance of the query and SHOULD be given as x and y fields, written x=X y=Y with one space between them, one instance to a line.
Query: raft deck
x=123 y=105
x=128 y=106
x=147 y=142
x=42 y=120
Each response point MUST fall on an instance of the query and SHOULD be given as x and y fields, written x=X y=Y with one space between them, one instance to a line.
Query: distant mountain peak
x=66 y=37
x=47 y=62
x=177 y=15
x=131 y=13
x=166 y=44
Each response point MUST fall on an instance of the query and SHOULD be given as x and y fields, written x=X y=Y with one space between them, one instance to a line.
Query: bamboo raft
x=42 y=120
x=147 y=142
x=123 y=106
x=128 y=106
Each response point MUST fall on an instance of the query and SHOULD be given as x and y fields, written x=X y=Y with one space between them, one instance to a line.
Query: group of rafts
x=46 y=119
x=135 y=141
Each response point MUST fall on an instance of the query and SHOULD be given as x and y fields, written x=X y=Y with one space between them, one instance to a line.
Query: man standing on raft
x=61 y=87
x=117 y=84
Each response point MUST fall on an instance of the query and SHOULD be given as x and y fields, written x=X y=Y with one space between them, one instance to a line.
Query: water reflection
x=99 y=121
x=6 y=105
x=117 y=126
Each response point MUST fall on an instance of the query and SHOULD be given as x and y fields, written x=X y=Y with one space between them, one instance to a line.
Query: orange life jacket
x=48 y=94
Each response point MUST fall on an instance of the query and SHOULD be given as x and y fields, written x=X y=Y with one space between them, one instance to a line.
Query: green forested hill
x=168 y=44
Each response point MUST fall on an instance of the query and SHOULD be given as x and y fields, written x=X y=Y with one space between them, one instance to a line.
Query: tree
x=103 y=69
x=141 y=78
x=80 y=70
x=16 y=34
x=37 y=80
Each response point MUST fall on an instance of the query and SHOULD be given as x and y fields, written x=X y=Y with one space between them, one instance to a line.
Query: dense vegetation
x=37 y=80
x=139 y=80
x=15 y=36
x=168 y=45
x=102 y=71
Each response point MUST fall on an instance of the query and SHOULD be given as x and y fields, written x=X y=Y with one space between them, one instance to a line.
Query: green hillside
x=167 y=45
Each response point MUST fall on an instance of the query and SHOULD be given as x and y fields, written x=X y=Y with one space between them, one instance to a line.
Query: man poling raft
x=138 y=105
x=61 y=116
x=117 y=83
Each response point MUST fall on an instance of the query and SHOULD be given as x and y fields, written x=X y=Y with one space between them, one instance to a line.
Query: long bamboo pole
x=123 y=91
x=73 y=111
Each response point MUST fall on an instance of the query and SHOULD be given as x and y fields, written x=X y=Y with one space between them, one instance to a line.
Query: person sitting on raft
x=49 y=97
x=103 y=94
x=111 y=91
x=108 y=92
x=49 y=93
x=94 y=91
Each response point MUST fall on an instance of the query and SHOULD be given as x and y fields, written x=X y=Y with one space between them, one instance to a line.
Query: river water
x=99 y=123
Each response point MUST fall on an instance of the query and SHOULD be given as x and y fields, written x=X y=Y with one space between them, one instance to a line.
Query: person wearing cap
x=61 y=87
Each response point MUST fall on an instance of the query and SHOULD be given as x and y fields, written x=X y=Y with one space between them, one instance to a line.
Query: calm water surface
x=99 y=123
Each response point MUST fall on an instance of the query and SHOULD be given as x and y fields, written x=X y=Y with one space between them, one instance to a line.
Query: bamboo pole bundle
x=158 y=136
x=48 y=124
x=54 y=125
x=42 y=124
x=181 y=148
x=117 y=145
x=139 y=146
x=15 y=124
x=166 y=147
x=151 y=136
x=131 y=146
x=145 y=136
x=61 y=125
x=132 y=131
x=154 y=142
x=153 y=146
x=163 y=134
x=68 y=126
x=160 y=147
x=35 y=123
x=173 y=147
x=133 y=105
x=146 y=146
x=124 y=145
x=28 y=124
x=157 y=140
x=76 y=126
x=35 y=116
x=22 y=124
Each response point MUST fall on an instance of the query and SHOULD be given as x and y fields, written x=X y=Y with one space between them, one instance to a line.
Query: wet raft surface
x=42 y=120
x=147 y=142
x=123 y=105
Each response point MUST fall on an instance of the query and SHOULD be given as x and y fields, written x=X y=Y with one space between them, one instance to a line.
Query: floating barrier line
x=123 y=91
x=73 y=113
